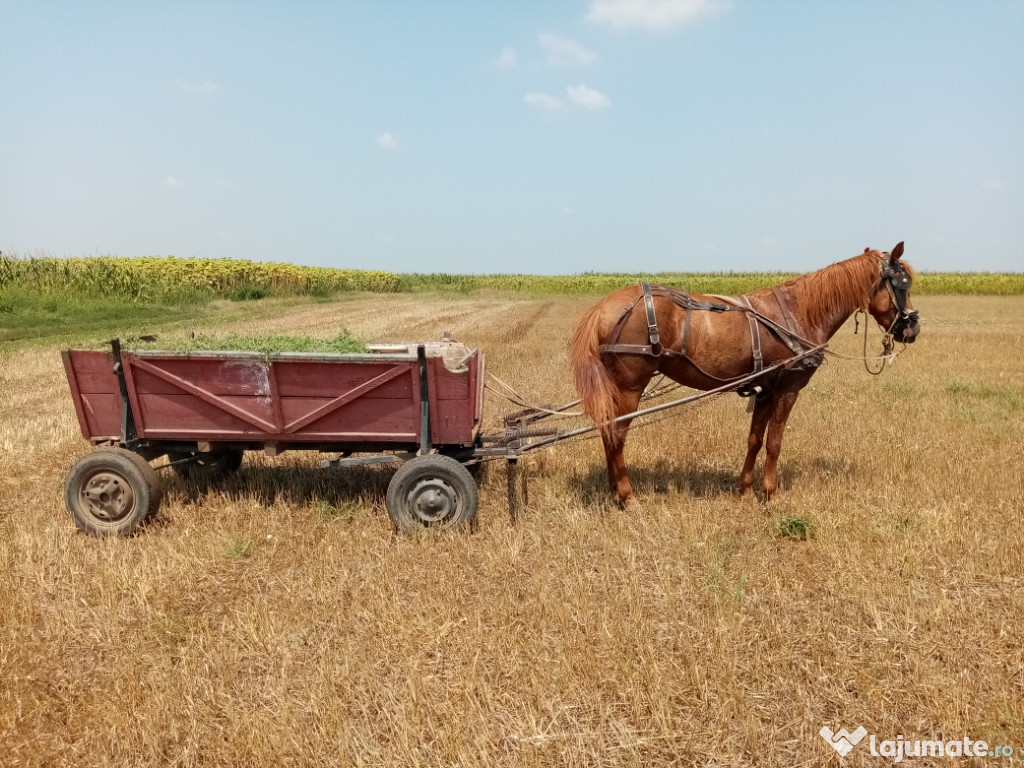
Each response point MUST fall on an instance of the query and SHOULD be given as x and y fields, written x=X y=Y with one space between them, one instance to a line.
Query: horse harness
x=784 y=333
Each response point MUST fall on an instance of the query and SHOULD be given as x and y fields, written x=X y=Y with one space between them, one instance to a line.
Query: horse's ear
x=867 y=250
x=896 y=252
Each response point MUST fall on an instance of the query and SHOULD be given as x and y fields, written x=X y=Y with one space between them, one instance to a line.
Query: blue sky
x=541 y=137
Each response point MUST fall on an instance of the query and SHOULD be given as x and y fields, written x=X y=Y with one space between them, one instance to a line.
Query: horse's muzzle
x=907 y=328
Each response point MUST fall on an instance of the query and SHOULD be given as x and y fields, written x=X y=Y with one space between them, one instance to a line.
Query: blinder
x=898 y=282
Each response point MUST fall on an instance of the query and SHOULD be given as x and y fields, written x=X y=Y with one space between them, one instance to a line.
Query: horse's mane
x=839 y=284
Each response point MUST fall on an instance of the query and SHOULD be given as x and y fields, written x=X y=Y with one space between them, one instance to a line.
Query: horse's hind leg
x=614 y=444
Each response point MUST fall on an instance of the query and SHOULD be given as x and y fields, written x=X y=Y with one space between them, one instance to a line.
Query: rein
x=887 y=357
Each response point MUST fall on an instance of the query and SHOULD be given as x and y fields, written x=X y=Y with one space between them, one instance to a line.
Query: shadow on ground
x=700 y=481
x=289 y=484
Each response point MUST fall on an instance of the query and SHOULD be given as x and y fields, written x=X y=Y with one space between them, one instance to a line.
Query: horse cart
x=419 y=405
x=422 y=404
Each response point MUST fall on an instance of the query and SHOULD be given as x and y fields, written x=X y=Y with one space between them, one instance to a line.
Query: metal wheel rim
x=432 y=501
x=107 y=496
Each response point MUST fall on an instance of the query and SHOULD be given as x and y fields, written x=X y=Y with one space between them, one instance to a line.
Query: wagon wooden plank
x=216 y=377
x=76 y=392
x=182 y=416
x=134 y=363
x=102 y=414
x=445 y=384
x=92 y=370
x=303 y=378
x=345 y=398
x=185 y=414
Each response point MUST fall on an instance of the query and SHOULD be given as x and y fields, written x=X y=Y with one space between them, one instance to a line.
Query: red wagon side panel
x=246 y=397
x=297 y=400
x=95 y=392
x=452 y=402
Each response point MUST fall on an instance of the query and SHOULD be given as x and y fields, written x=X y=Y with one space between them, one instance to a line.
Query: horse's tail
x=594 y=383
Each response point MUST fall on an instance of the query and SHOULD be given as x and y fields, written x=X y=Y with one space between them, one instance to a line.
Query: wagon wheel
x=432 y=491
x=111 y=491
x=206 y=465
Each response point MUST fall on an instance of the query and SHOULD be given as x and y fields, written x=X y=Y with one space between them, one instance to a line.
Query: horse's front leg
x=776 y=431
x=758 y=423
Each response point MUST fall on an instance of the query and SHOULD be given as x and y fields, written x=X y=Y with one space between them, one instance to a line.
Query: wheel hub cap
x=433 y=500
x=108 y=496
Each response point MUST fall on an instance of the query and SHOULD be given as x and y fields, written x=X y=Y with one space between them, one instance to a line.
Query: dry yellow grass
x=275 y=621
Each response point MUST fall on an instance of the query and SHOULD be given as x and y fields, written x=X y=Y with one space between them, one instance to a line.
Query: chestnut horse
x=704 y=342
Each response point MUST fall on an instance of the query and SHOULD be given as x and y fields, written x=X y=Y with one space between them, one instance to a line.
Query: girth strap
x=755 y=335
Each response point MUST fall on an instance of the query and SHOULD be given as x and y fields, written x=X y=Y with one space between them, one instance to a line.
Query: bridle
x=898 y=282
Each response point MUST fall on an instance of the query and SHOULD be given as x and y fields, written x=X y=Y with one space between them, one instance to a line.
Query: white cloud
x=543 y=101
x=567 y=211
x=651 y=14
x=172 y=182
x=386 y=141
x=562 y=51
x=507 y=59
x=207 y=88
x=588 y=98
x=993 y=185
x=769 y=243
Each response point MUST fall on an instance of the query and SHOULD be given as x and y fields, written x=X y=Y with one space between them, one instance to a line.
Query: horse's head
x=890 y=301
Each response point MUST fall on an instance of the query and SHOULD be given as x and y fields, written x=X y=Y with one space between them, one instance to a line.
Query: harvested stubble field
x=274 y=620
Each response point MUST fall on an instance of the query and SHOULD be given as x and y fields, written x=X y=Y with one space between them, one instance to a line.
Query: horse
x=706 y=341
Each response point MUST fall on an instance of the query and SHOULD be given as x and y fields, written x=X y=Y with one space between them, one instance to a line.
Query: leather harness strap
x=784 y=306
x=652 y=321
x=755 y=335
x=800 y=347
x=786 y=334
x=655 y=348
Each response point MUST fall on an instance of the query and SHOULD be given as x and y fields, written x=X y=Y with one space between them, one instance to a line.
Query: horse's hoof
x=630 y=504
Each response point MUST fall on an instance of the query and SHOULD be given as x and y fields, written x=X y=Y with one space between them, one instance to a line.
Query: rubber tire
x=120 y=466
x=209 y=466
x=436 y=479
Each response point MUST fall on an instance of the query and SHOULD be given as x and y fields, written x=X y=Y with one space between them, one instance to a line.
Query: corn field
x=171 y=279
x=168 y=278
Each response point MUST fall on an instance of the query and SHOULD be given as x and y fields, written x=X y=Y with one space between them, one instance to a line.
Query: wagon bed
x=335 y=401
x=421 y=404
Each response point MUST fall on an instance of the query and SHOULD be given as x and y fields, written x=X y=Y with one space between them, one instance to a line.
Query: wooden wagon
x=418 y=404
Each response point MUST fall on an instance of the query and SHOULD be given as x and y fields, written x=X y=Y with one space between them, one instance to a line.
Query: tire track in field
x=519 y=330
